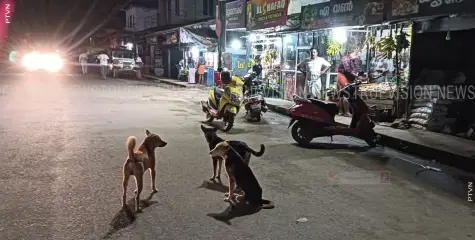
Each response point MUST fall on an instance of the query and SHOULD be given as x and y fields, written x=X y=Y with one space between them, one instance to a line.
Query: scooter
x=224 y=103
x=254 y=102
x=312 y=118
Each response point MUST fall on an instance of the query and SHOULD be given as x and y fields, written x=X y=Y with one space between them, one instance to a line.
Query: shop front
x=271 y=45
x=380 y=51
x=442 y=77
x=200 y=54
x=168 y=54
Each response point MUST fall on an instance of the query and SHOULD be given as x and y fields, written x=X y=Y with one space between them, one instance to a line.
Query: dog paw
x=154 y=191
x=226 y=195
x=135 y=191
x=138 y=210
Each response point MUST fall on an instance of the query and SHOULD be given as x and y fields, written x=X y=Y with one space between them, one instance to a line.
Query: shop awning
x=206 y=37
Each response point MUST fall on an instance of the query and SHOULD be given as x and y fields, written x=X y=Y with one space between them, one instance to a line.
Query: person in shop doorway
x=201 y=67
x=83 y=62
x=381 y=68
x=103 y=62
x=312 y=68
x=347 y=73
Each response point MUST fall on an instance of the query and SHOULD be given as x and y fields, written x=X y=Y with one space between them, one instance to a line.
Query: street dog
x=242 y=148
x=137 y=162
x=240 y=174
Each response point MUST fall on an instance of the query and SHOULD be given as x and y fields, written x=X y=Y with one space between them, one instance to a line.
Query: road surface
x=63 y=147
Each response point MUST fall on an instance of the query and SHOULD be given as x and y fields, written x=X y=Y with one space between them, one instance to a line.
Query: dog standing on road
x=241 y=147
x=240 y=174
x=138 y=162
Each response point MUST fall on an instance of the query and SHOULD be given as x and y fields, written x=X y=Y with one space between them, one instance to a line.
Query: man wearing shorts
x=347 y=73
x=312 y=68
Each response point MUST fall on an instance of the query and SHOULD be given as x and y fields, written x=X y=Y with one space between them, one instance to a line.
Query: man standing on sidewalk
x=312 y=68
x=83 y=62
x=103 y=58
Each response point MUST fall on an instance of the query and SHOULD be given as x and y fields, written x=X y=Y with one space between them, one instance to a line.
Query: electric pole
x=222 y=33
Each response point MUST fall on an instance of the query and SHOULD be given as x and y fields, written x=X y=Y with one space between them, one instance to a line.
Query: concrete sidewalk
x=443 y=148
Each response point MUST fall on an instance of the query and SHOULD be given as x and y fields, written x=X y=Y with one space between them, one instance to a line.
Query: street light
x=339 y=35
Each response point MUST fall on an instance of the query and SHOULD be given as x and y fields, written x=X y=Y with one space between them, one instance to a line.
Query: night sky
x=62 y=17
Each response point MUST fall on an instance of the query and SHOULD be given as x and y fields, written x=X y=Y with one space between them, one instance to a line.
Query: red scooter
x=312 y=118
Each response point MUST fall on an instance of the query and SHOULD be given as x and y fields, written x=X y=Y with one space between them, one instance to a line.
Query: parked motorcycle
x=312 y=118
x=224 y=103
x=254 y=101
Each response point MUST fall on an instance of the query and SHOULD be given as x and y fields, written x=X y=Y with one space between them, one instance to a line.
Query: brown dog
x=138 y=162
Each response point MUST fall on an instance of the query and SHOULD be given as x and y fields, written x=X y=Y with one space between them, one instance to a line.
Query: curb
x=446 y=158
x=161 y=80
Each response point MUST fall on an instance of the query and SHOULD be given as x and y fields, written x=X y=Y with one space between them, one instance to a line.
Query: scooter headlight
x=236 y=100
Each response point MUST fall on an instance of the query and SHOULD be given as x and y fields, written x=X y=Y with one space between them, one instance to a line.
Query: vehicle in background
x=122 y=61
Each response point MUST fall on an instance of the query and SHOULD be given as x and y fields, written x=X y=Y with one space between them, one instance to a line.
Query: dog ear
x=203 y=128
x=147 y=132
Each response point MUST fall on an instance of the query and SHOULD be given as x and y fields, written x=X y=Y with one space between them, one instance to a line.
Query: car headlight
x=32 y=61
x=52 y=62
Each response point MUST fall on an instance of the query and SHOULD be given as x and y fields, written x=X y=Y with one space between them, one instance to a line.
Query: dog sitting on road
x=240 y=174
x=138 y=162
x=241 y=147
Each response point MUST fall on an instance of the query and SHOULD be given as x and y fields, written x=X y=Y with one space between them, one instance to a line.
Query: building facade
x=139 y=18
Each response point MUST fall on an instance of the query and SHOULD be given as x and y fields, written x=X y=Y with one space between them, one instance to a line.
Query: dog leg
x=232 y=185
x=220 y=165
x=215 y=166
x=139 y=180
x=152 y=174
x=125 y=181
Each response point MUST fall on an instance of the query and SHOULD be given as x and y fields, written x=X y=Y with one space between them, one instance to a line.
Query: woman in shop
x=201 y=69
x=347 y=73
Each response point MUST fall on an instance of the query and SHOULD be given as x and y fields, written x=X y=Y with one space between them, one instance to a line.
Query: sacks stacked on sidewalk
x=434 y=108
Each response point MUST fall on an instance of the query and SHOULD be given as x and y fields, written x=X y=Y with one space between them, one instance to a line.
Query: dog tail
x=131 y=141
x=260 y=153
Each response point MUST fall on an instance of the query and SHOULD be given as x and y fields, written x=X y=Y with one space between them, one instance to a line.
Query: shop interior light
x=252 y=37
x=195 y=52
x=288 y=39
x=129 y=46
x=236 y=44
x=339 y=35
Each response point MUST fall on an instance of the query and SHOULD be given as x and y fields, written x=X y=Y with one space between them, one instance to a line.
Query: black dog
x=241 y=147
x=240 y=174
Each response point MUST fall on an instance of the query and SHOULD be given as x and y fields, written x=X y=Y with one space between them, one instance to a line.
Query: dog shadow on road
x=217 y=186
x=126 y=216
x=233 y=211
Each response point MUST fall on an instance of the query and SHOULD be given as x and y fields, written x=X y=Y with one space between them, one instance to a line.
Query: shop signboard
x=240 y=66
x=235 y=17
x=228 y=60
x=342 y=13
x=170 y=38
x=266 y=13
x=407 y=9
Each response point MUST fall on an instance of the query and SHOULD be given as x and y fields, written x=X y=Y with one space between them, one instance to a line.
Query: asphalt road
x=63 y=147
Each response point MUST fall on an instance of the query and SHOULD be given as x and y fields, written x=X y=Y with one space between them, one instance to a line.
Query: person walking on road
x=83 y=62
x=312 y=68
x=103 y=62
x=139 y=63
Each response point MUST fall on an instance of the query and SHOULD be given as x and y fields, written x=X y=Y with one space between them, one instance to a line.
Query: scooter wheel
x=300 y=134
x=258 y=118
x=229 y=123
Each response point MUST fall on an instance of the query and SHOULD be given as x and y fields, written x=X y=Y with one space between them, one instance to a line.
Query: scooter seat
x=330 y=107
